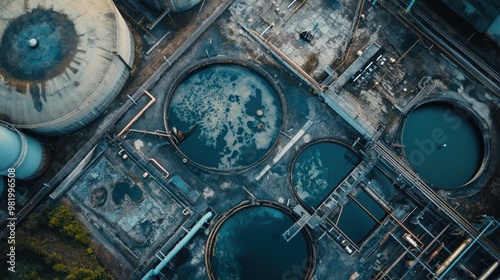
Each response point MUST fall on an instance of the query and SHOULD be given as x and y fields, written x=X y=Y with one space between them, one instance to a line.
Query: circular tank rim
x=212 y=237
x=224 y=60
x=484 y=129
x=308 y=145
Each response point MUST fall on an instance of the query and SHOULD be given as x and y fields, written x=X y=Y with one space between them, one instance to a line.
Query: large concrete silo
x=21 y=155
x=62 y=62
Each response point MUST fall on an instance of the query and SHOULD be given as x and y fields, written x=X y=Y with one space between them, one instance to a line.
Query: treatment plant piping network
x=105 y=126
x=155 y=271
x=153 y=100
x=460 y=252
x=407 y=173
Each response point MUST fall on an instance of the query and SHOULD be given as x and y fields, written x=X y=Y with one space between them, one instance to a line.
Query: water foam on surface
x=319 y=169
x=222 y=101
x=310 y=176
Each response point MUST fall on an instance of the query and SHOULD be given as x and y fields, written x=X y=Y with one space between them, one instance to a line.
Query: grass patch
x=54 y=245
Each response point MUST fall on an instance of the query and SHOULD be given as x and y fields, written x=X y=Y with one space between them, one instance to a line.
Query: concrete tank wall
x=25 y=154
x=100 y=65
x=175 y=6
x=182 y=5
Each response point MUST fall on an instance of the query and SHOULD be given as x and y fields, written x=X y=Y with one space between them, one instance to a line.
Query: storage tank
x=410 y=240
x=175 y=6
x=62 y=62
x=28 y=157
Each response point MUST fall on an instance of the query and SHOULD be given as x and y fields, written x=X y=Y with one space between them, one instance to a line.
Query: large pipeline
x=153 y=100
x=453 y=256
x=155 y=271
x=488 y=272
x=435 y=253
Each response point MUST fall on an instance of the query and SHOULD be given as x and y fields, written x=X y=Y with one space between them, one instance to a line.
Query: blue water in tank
x=250 y=246
x=443 y=144
x=26 y=157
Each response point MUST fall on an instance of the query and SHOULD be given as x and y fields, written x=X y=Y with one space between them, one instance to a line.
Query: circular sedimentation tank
x=247 y=244
x=225 y=114
x=443 y=144
x=62 y=62
x=319 y=168
x=175 y=6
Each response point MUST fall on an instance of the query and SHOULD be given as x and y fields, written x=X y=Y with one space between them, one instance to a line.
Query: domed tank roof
x=62 y=62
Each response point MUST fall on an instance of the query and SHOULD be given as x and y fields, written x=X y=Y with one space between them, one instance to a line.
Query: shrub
x=64 y=220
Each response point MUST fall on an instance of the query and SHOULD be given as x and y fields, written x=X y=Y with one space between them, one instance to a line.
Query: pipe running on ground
x=153 y=100
x=167 y=174
x=155 y=271
x=284 y=21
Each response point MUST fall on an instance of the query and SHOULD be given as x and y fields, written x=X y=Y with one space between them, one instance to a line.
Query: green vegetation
x=54 y=245
x=63 y=219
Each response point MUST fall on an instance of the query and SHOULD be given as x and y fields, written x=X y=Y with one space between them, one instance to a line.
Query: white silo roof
x=80 y=64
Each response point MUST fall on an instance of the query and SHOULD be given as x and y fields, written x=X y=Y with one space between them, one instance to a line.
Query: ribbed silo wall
x=103 y=93
x=26 y=155
x=125 y=40
x=95 y=105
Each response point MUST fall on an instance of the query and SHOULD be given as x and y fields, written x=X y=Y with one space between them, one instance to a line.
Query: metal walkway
x=407 y=173
x=330 y=203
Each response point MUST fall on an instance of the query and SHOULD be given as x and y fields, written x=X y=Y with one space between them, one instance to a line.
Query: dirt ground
x=486 y=201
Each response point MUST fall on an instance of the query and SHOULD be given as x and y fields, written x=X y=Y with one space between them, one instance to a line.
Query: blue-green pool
x=230 y=114
x=250 y=246
x=443 y=144
x=355 y=222
x=319 y=168
x=122 y=189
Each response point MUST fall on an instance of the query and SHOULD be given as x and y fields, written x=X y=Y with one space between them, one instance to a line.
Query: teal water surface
x=319 y=169
x=355 y=222
x=122 y=189
x=218 y=107
x=443 y=144
x=250 y=246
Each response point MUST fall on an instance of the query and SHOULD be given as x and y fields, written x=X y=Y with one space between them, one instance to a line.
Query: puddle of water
x=122 y=189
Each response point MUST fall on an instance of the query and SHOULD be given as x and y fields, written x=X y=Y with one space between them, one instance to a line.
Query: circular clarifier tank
x=248 y=244
x=443 y=144
x=319 y=168
x=225 y=114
